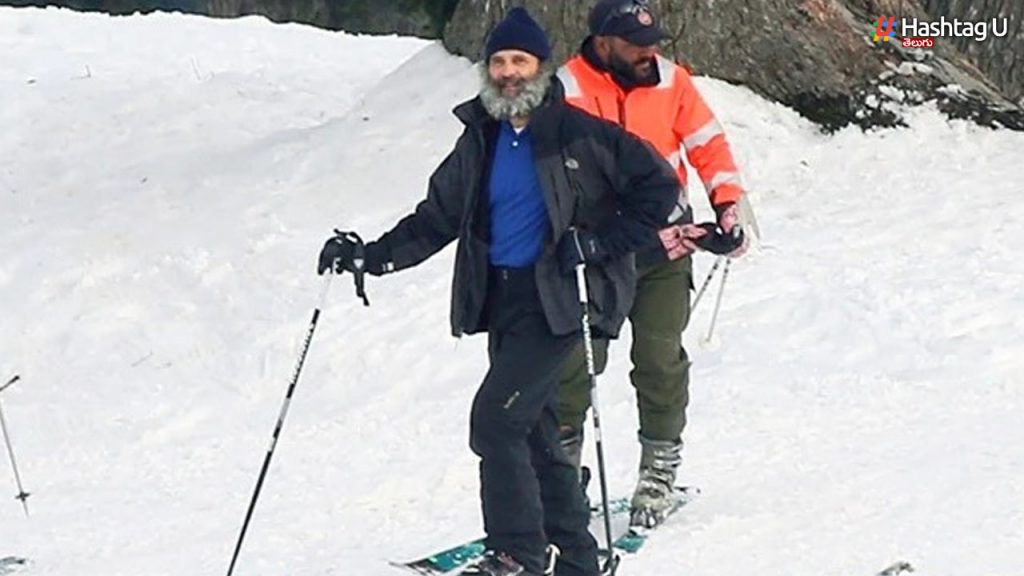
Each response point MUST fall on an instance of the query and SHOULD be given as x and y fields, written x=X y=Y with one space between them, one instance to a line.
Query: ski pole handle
x=719 y=242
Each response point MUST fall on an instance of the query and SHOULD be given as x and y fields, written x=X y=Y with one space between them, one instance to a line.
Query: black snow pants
x=530 y=491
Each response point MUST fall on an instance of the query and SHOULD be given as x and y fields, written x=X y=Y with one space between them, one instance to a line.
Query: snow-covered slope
x=166 y=185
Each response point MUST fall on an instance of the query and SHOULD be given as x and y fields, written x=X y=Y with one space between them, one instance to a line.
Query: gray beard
x=502 y=107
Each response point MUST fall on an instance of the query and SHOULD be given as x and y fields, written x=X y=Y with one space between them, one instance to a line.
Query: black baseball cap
x=631 y=20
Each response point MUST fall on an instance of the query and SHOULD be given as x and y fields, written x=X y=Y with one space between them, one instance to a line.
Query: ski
x=449 y=561
x=897 y=569
x=634 y=538
x=458 y=558
x=9 y=564
x=8 y=385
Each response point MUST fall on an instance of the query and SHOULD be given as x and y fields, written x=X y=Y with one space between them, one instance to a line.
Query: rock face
x=1001 y=58
x=425 y=18
x=818 y=56
x=113 y=6
x=368 y=16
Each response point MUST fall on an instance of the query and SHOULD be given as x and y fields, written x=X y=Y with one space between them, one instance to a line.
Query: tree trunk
x=817 y=56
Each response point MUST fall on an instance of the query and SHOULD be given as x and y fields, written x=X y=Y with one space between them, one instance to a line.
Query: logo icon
x=644 y=17
x=885 y=28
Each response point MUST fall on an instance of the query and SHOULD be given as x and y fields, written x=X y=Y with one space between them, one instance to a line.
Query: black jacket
x=595 y=176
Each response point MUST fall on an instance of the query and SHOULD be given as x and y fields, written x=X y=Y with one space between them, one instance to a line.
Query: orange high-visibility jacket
x=672 y=116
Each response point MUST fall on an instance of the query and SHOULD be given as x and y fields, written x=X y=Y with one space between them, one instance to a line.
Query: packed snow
x=167 y=182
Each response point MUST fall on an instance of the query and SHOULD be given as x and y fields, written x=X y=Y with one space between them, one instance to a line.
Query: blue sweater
x=519 y=217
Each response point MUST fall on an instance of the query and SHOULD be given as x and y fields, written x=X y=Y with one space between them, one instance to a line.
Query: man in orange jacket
x=619 y=76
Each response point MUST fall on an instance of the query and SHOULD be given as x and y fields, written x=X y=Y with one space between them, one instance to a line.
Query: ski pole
x=10 y=383
x=280 y=421
x=588 y=344
x=722 y=244
x=22 y=495
x=707 y=281
x=718 y=301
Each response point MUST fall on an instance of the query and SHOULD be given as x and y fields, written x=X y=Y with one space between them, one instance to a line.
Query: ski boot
x=495 y=563
x=654 y=496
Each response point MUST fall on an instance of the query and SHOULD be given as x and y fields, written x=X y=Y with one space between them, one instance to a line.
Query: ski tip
x=10 y=382
x=415 y=568
x=901 y=567
x=11 y=563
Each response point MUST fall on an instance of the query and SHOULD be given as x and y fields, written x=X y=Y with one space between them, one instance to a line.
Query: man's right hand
x=679 y=241
x=579 y=247
x=337 y=256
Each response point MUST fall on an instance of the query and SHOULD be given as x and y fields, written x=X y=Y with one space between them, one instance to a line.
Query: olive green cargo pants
x=661 y=368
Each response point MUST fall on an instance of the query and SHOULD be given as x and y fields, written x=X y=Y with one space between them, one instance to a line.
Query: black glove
x=342 y=250
x=718 y=242
x=578 y=247
x=338 y=255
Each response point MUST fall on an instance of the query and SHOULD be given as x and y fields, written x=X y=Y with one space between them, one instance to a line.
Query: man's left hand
x=728 y=218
